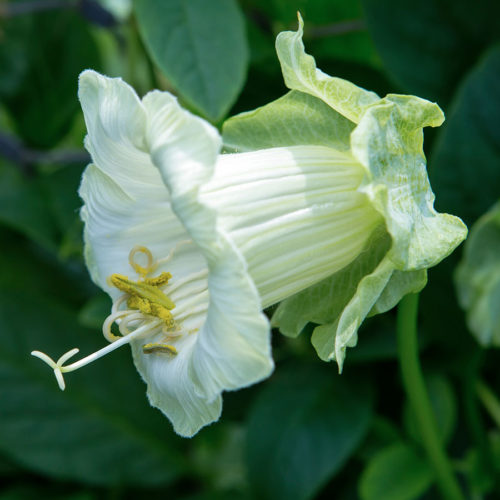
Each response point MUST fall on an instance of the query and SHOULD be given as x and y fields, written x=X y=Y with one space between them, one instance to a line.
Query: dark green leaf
x=31 y=491
x=61 y=187
x=61 y=190
x=13 y=53
x=395 y=473
x=94 y=312
x=465 y=163
x=377 y=340
x=218 y=456
x=44 y=104
x=23 y=206
x=428 y=45
x=304 y=426
x=201 y=48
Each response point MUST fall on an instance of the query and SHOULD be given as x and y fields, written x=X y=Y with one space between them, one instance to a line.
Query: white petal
x=233 y=346
x=171 y=388
x=115 y=223
x=116 y=125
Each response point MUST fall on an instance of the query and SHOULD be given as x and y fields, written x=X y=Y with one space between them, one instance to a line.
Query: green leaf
x=95 y=311
x=464 y=164
x=59 y=46
x=395 y=473
x=13 y=53
x=23 y=206
x=201 y=48
x=477 y=278
x=7 y=468
x=427 y=46
x=101 y=430
x=302 y=429
x=218 y=457
x=43 y=492
x=61 y=190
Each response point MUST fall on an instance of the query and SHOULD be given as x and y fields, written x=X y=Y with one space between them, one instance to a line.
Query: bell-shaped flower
x=182 y=295
x=191 y=245
x=477 y=279
x=381 y=141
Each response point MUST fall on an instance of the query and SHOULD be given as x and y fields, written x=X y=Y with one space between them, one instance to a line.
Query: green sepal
x=388 y=142
x=292 y=120
x=300 y=73
x=386 y=137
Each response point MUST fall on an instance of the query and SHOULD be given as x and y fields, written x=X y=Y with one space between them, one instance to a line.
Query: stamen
x=134 y=317
x=108 y=322
x=116 y=305
x=164 y=348
x=163 y=260
x=151 y=264
x=146 y=304
x=59 y=369
x=188 y=279
x=201 y=309
x=170 y=334
x=190 y=291
x=194 y=306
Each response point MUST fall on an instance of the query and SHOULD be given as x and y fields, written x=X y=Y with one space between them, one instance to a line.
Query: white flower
x=191 y=245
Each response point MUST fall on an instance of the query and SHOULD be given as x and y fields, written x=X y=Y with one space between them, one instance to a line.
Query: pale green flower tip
x=300 y=73
x=417 y=111
x=388 y=142
x=477 y=279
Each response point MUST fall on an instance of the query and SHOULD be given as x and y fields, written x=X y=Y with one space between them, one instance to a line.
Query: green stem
x=489 y=400
x=416 y=392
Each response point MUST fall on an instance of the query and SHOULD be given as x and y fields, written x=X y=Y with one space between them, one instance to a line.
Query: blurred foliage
x=307 y=432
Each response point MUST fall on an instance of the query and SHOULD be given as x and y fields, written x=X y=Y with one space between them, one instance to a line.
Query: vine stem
x=414 y=385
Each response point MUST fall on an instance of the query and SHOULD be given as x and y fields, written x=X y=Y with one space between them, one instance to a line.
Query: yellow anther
x=147 y=307
x=146 y=296
x=142 y=271
x=160 y=280
x=163 y=348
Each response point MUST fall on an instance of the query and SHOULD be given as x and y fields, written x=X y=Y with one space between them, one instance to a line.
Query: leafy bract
x=385 y=137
